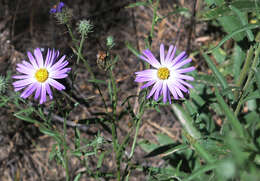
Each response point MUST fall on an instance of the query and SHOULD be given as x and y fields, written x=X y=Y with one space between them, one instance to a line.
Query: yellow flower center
x=41 y=75
x=163 y=73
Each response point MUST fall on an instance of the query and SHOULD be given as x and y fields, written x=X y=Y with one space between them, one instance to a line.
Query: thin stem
x=135 y=138
x=139 y=120
x=244 y=70
x=248 y=81
x=191 y=132
x=65 y=150
x=154 y=18
x=234 y=122
x=115 y=147
x=85 y=63
x=114 y=133
x=80 y=47
x=71 y=35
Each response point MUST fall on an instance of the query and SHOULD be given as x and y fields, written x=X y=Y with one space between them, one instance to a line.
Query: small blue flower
x=57 y=8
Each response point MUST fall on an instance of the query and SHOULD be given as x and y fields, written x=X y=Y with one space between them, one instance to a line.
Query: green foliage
x=220 y=140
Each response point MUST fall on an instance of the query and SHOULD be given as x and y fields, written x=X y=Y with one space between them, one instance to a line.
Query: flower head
x=85 y=27
x=166 y=76
x=38 y=75
x=57 y=8
x=110 y=42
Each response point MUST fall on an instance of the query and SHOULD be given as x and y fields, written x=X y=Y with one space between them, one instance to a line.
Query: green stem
x=71 y=35
x=135 y=138
x=154 y=18
x=65 y=149
x=186 y=121
x=244 y=70
x=139 y=120
x=114 y=133
x=191 y=133
x=80 y=46
x=115 y=147
x=230 y=115
x=248 y=81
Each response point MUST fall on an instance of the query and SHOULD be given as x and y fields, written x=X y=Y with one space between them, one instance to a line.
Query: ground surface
x=26 y=24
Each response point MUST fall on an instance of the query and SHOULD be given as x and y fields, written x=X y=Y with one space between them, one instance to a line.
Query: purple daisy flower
x=38 y=75
x=167 y=76
x=57 y=8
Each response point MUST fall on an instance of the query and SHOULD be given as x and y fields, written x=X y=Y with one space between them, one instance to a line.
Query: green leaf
x=100 y=159
x=217 y=74
x=205 y=79
x=186 y=121
x=224 y=10
x=244 y=21
x=257 y=75
x=227 y=37
x=234 y=122
x=252 y=95
x=230 y=24
x=198 y=99
x=164 y=139
x=238 y=58
x=147 y=146
x=77 y=177
x=166 y=150
x=219 y=54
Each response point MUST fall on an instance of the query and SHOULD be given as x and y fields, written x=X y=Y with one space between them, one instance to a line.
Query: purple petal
x=61 y=66
x=47 y=59
x=168 y=54
x=172 y=55
x=146 y=72
x=186 y=77
x=150 y=58
x=185 y=83
x=29 y=90
x=144 y=79
x=27 y=64
x=189 y=69
x=56 y=84
x=59 y=76
x=49 y=90
x=43 y=94
x=180 y=64
x=32 y=60
x=165 y=92
x=38 y=91
x=172 y=90
x=169 y=96
x=162 y=54
x=157 y=85
x=158 y=91
x=51 y=58
x=19 y=88
x=22 y=83
x=57 y=72
x=60 y=6
x=180 y=86
x=181 y=56
x=57 y=64
x=21 y=76
x=23 y=69
x=179 y=92
x=149 y=83
x=53 y=10
x=38 y=56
